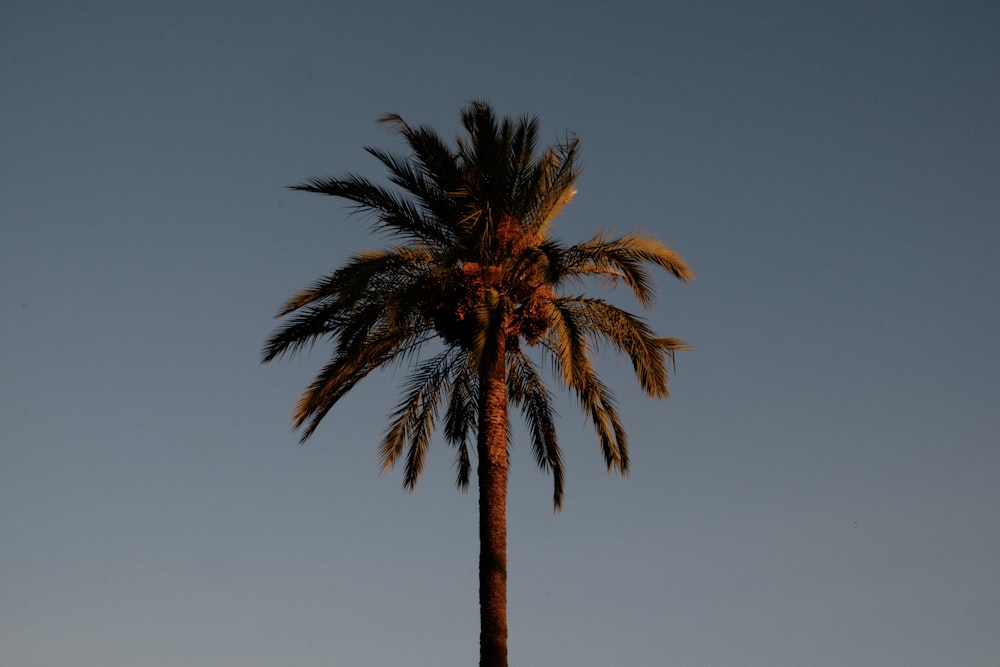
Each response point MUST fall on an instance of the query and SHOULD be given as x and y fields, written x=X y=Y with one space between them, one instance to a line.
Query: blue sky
x=820 y=490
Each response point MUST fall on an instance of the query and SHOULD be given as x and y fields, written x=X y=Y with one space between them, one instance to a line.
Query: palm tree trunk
x=492 y=471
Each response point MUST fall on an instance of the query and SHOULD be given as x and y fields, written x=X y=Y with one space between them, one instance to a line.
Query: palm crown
x=474 y=265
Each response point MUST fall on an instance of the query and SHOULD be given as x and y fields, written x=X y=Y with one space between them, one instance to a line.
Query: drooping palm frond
x=630 y=335
x=413 y=421
x=566 y=339
x=527 y=391
x=344 y=371
x=624 y=259
x=599 y=402
x=567 y=343
x=462 y=417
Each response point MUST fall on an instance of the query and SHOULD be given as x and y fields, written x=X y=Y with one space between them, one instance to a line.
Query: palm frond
x=344 y=371
x=629 y=334
x=598 y=402
x=374 y=287
x=437 y=197
x=566 y=340
x=392 y=213
x=552 y=179
x=461 y=418
x=526 y=390
x=301 y=331
x=436 y=160
x=624 y=259
x=413 y=421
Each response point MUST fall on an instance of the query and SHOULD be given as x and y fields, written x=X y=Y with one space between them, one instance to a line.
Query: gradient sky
x=822 y=490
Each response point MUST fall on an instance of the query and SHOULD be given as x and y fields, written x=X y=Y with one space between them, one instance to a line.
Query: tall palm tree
x=475 y=270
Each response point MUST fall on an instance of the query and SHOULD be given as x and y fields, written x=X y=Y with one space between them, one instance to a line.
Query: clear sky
x=822 y=490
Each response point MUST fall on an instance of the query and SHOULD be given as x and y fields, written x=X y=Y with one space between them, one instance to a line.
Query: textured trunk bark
x=492 y=471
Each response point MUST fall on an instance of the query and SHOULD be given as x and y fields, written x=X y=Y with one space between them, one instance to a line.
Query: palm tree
x=475 y=270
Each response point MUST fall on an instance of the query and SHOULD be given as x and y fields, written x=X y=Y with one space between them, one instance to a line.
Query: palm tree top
x=474 y=266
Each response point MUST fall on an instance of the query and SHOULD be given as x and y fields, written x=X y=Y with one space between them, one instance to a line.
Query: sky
x=821 y=489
